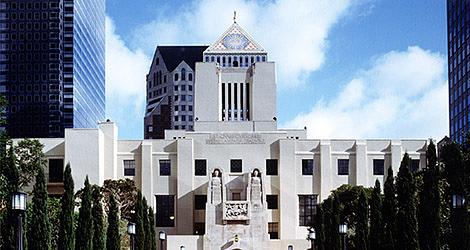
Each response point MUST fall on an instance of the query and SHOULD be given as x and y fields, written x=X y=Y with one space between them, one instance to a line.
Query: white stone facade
x=257 y=180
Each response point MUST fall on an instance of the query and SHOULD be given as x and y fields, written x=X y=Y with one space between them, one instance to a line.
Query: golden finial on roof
x=234 y=16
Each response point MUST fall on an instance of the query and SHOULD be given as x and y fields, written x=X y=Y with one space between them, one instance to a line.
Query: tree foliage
x=362 y=222
x=139 y=222
x=151 y=235
x=39 y=229
x=125 y=192
x=10 y=172
x=84 y=232
x=66 y=232
x=429 y=203
x=407 y=224
x=113 y=237
x=389 y=212
x=29 y=159
x=376 y=224
x=98 y=240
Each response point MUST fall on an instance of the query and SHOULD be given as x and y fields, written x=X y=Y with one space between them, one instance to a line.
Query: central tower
x=236 y=85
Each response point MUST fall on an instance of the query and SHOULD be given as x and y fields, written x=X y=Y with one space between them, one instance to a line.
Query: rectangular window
x=307 y=166
x=165 y=167
x=273 y=230
x=343 y=166
x=199 y=228
x=200 y=202
x=307 y=209
x=165 y=211
x=200 y=167
x=129 y=167
x=271 y=166
x=414 y=165
x=236 y=166
x=56 y=170
x=271 y=199
x=379 y=166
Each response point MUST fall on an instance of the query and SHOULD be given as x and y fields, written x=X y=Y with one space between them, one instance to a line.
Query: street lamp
x=131 y=232
x=458 y=201
x=343 y=228
x=311 y=236
x=162 y=237
x=18 y=204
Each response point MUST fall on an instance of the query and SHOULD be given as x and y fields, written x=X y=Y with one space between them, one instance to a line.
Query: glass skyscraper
x=458 y=33
x=52 y=55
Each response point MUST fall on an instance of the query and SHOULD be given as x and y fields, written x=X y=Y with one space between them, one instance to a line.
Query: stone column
x=288 y=196
x=362 y=170
x=146 y=170
x=396 y=157
x=185 y=175
x=326 y=171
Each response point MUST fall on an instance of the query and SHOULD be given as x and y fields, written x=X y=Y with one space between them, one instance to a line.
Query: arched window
x=246 y=61
x=190 y=77
x=264 y=58
x=252 y=59
x=235 y=63
x=207 y=59
x=183 y=74
x=158 y=61
x=257 y=58
x=218 y=59
x=290 y=247
x=176 y=77
x=212 y=58
x=223 y=61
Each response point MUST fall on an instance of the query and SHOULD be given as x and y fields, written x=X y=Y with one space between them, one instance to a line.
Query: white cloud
x=293 y=32
x=404 y=94
x=125 y=80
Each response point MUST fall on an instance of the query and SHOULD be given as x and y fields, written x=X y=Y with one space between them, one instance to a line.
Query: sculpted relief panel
x=235 y=138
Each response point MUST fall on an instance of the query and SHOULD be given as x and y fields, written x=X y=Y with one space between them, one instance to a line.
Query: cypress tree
x=98 y=219
x=407 y=224
x=334 y=224
x=320 y=228
x=376 y=225
x=389 y=212
x=10 y=172
x=113 y=237
x=429 y=204
x=84 y=232
x=145 y=216
x=139 y=222
x=66 y=234
x=362 y=223
x=153 y=242
x=39 y=230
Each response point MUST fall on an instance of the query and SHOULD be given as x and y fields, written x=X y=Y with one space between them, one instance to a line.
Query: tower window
x=272 y=201
x=273 y=230
x=56 y=170
x=271 y=166
x=343 y=166
x=307 y=166
x=165 y=167
x=190 y=77
x=235 y=165
x=129 y=167
x=307 y=209
x=379 y=166
x=183 y=74
x=165 y=211
x=200 y=202
x=200 y=167
x=176 y=77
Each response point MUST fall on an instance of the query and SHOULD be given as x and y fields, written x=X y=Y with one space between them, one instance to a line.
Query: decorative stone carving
x=216 y=187
x=236 y=210
x=235 y=138
x=255 y=187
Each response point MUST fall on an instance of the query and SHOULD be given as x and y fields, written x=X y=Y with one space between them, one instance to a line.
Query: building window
x=200 y=202
x=129 y=167
x=379 y=166
x=414 y=165
x=271 y=199
x=176 y=77
x=271 y=166
x=56 y=170
x=273 y=230
x=343 y=166
x=307 y=166
x=165 y=167
x=290 y=247
x=236 y=166
x=199 y=228
x=190 y=77
x=183 y=74
x=200 y=167
x=165 y=211
x=307 y=209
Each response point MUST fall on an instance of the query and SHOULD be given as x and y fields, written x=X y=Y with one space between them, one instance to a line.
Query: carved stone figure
x=256 y=187
x=216 y=185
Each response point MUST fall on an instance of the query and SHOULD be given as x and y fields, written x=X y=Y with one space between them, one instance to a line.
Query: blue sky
x=345 y=68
